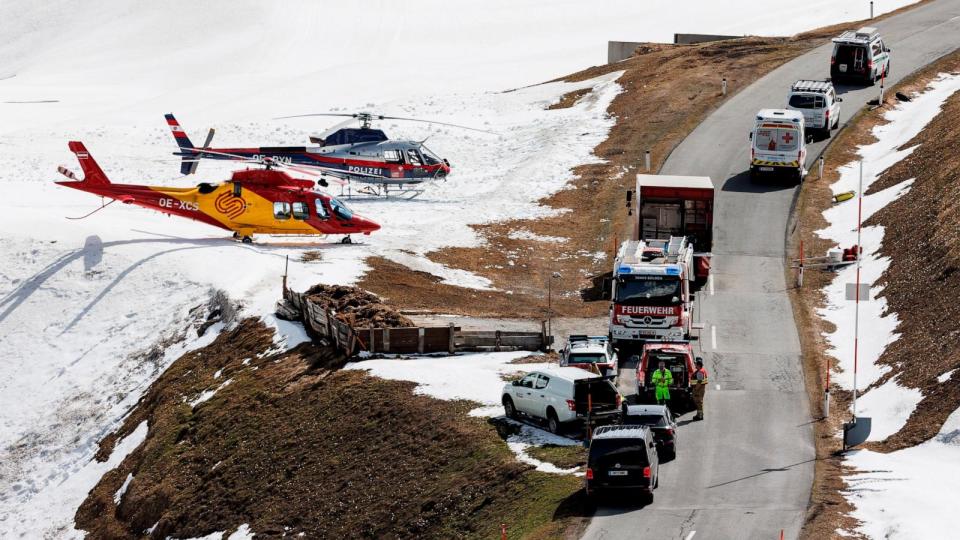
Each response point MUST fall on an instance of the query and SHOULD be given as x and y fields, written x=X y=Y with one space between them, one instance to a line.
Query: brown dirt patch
x=668 y=90
x=569 y=99
x=292 y=445
x=923 y=244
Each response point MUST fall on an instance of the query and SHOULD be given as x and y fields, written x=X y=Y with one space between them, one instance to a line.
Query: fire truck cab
x=651 y=296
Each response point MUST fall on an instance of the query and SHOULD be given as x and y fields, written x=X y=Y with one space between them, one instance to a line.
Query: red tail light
x=589 y=474
x=640 y=377
x=571 y=404
x=619 y=400
x=870 y=64
x=646 y=472
x=669 y=431
x=833 y=60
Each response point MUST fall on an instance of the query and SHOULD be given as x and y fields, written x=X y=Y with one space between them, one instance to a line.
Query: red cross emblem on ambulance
x=787 y=137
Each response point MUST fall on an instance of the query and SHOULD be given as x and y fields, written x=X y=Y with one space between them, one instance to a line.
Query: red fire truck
x=656 y=273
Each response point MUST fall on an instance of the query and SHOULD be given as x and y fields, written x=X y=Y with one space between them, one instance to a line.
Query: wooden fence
x=322 y=324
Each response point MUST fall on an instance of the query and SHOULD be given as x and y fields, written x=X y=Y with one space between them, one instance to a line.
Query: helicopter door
x=416 y=160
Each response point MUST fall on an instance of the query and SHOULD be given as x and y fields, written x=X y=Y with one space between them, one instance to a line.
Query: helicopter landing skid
x=384 y=191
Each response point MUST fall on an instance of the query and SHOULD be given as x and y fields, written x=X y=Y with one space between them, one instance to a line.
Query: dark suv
x=623 y=458
x=660 y=420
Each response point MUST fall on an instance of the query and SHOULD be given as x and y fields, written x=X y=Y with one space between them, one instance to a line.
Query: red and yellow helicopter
x=362 y=154
x=253 y=201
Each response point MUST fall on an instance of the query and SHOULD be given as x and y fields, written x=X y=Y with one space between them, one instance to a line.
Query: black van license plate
x=618 y=473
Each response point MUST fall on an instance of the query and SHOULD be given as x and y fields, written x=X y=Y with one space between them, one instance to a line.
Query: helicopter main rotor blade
x=371 y=116
x=347 y=115
x=435 y=122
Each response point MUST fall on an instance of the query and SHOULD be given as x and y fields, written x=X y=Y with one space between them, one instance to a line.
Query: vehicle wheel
x=656 y=483
x=508 y=408
x=346 y=240
x=553 y=423
x=236 y=234
x=647 y=498
x=753 y=174
x=827 y=133
x=247 y=240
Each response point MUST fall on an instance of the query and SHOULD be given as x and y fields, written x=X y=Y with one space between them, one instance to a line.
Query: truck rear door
x=597 y=392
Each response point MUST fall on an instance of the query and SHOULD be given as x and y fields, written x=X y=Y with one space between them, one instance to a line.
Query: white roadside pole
x=856 y=309
x=858 y=429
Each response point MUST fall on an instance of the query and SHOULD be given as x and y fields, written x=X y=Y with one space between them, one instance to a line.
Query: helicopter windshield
x=341 y=210
x=429 y=157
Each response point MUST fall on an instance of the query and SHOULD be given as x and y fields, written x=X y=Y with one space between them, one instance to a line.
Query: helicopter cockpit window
x=301 y=210
x=428 y=156
x=392 y=156
x=414 y=157
x=341 y=210
x=321 y=210
x=281 y=210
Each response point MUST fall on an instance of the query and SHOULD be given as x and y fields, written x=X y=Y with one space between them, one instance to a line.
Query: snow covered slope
x=902 y=494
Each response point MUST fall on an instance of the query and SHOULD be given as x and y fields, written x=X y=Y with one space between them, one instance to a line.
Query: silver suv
x=818 y=102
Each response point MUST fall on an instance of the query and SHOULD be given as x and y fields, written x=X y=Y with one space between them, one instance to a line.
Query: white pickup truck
x=561 y=397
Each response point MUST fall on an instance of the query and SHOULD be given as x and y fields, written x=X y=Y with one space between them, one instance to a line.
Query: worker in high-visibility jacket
x=699 y=383
x=662 y=379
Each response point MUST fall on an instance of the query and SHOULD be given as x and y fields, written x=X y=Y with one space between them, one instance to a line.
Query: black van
x=623 y=457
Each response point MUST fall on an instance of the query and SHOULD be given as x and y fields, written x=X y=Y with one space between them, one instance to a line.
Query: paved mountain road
x=746 y=472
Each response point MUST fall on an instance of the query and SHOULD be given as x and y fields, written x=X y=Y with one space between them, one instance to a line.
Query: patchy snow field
x=476 y=377
x=887 y=480
x=83 y=302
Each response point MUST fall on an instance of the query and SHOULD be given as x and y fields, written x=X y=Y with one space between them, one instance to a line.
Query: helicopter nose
x=365 y=225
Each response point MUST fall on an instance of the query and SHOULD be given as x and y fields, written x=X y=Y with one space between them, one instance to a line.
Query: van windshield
x=782 y=139
x=587 y=358
x=806 y=101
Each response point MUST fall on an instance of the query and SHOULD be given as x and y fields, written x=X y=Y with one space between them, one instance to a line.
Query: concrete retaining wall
x=690 y=39
x=621 y=50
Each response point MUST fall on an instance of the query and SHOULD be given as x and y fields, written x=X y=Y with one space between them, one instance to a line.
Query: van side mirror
x=839 y=99
x=886 y=50
x=516 y=383
x=653 y=444
x=700 y=359
x=750 y=136
x=237 y=189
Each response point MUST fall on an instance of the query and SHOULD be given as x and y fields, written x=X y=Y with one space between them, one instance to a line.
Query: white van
x=860 y=54
x=819 y=104
x=778 y=144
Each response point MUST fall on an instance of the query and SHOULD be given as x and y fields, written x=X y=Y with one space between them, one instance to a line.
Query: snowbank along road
x=746 y=471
